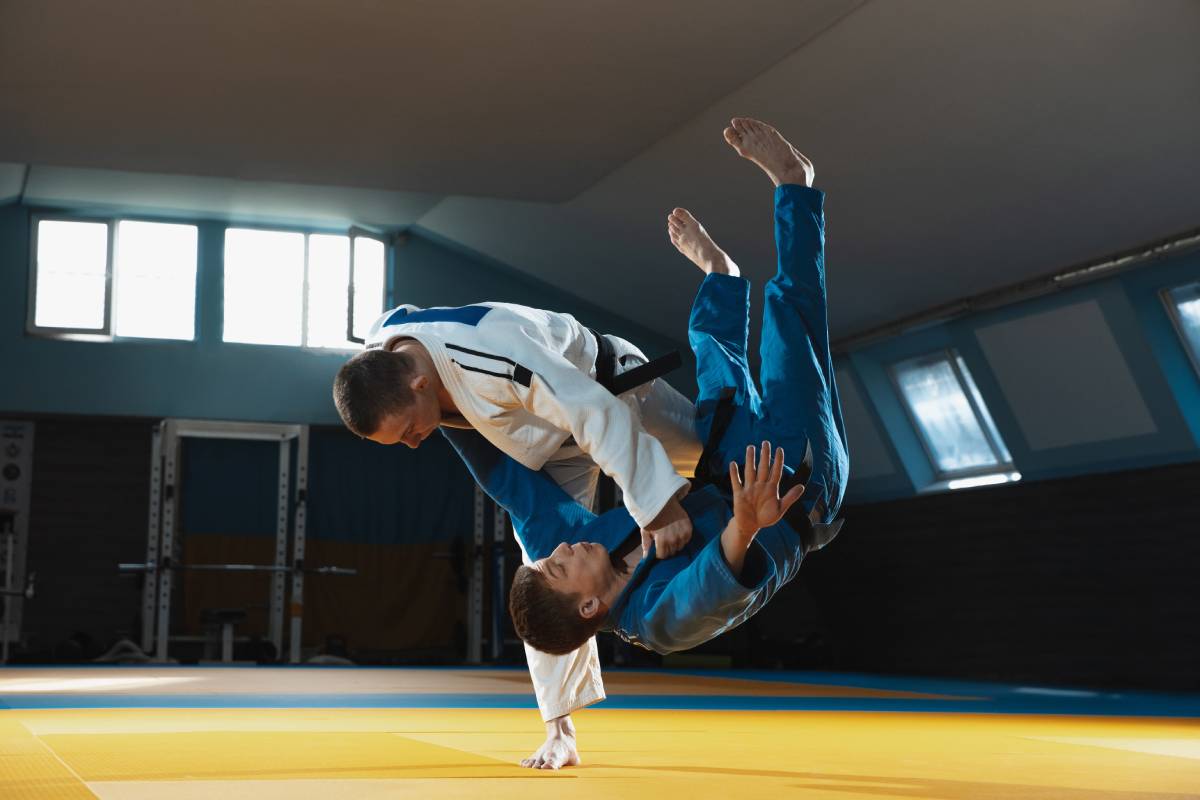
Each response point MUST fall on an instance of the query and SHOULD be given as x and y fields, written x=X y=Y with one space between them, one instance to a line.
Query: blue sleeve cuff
x=813 y=199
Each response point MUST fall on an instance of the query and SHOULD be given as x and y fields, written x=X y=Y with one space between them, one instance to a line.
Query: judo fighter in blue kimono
x=752 y=526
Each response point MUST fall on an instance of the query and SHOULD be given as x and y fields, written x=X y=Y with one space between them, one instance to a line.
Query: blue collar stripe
x=467 y=315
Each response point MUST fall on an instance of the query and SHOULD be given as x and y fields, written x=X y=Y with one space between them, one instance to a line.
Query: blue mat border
x=961 y=697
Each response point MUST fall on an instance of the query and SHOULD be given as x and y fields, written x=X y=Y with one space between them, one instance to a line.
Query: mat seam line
x=58 y=758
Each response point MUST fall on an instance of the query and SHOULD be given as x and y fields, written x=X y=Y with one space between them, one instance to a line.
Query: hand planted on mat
x=670 y=530
x=756 y=500
x=559 y=748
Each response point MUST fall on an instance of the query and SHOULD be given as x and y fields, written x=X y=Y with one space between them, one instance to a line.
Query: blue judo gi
x=678 y=603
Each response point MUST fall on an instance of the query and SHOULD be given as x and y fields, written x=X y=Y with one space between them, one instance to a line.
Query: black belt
x=813 y=535
x=606 y=367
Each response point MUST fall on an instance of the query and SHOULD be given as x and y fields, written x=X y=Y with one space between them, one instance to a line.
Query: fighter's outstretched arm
x=542 y=515
x=756 y=502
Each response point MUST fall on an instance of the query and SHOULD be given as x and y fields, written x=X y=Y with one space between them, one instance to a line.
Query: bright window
x=369 y=286
x=140 y=282
x=949 y=412
x=71 y=276
x=1184 y=303
x=294 y=288
x=328 y=272
x=155 y=281
x=264 y=287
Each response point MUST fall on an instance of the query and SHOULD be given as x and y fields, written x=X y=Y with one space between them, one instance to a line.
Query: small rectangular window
x=950 y=416
x=264 y=287
x=154 y=293
x=328 y=272
x=369 y=286
x=1184 y=305
x=114 y=278
x=71 y=276
x=306 y=277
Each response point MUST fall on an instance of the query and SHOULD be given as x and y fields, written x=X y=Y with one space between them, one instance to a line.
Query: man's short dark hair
x=371 y=386
x=545 y=619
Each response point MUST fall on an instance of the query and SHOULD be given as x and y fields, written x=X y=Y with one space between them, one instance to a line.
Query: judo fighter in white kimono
x=555 y=396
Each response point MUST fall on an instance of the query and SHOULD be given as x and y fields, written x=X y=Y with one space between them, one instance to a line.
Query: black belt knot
x=606 y=367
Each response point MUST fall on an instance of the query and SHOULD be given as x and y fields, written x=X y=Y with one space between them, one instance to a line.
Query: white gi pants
x=564 y=684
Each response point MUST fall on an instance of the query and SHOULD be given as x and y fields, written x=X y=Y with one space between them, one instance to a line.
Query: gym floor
x=154 y=732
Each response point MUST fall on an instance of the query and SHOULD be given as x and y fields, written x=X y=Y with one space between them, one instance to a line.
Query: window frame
x=105 y=334
x=950 y=356
x=1177 y=321
x=351 y=233
x=356 y=232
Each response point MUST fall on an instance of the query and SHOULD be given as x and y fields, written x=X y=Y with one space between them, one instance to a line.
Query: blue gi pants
x=799 y=403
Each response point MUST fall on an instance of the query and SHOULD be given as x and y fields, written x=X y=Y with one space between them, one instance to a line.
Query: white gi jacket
x=524 y=378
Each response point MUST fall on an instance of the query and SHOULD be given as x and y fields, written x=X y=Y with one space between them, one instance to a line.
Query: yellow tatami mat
x=134 y=750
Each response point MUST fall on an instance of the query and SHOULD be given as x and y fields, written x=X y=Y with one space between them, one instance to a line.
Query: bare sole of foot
x=690 y=238
x=762 y=144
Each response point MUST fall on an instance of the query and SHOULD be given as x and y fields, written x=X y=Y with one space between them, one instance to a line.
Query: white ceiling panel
x=1065 y=377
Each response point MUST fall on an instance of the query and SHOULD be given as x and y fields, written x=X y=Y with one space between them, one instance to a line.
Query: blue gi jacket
x=678 y=603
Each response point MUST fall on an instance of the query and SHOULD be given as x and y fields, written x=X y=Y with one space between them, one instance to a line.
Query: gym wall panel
x=1087 y=581
x=405 y=597
x=367 y=493
x=871 y=457
x=396 y=515
x=89 y=502
x=230 y=486
x=1065 y=378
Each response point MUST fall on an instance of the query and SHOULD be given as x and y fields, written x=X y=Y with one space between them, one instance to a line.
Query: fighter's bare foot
x=763 y=145
x=690 y=238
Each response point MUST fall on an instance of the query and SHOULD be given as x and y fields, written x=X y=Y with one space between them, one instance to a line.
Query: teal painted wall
x=1144 y=335
x=210 y=379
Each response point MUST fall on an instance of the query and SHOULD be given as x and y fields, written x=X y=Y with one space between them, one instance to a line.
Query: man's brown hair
x=545 y=619
x=371 y=386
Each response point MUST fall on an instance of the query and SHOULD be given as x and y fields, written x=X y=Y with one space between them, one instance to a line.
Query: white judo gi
x=525 y=379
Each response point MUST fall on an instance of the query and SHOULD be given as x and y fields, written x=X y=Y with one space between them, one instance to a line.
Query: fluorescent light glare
x=983 y=480
x=59 y=684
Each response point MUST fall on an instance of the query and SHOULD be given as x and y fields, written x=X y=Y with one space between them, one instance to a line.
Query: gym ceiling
x=964 y=145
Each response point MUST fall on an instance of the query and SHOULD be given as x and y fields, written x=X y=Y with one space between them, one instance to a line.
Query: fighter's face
x=583 y=569
x=413 y=424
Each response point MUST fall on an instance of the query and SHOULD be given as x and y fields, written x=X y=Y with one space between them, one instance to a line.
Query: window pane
x=154 y=289
x=264 y=286
x=1005 y=456
x=328 y=276
x=368 y=283
x=72 y=268
x=941 y=409
x=1187 y=305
